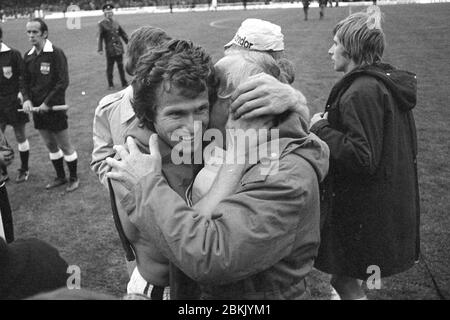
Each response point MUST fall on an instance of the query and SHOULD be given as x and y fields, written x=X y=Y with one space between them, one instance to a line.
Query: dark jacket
x=6 y=217
x=46 y=76
x=110 y=31
x=11 y=68
x=371 y=133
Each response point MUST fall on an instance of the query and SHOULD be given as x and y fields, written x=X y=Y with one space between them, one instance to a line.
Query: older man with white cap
x=251 y=98
x=258 y=35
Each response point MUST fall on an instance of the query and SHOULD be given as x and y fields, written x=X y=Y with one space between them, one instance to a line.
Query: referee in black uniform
x=110 y=32
x=46 y=79
x=11 y=77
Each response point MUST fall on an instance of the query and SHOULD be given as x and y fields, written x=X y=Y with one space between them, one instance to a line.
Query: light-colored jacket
x=114 y=117
x=262 y=240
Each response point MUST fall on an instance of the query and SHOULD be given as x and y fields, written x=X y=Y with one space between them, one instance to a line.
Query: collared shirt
x=11 y=68
x=4 y=47
x=46 y=76
x=110 y=31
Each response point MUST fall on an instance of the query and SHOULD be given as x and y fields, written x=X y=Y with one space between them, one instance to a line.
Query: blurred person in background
x=322 y=6
x=306 y=4
x=110 y=32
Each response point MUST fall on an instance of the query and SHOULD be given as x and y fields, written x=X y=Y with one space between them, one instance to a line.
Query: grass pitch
x=80 y=224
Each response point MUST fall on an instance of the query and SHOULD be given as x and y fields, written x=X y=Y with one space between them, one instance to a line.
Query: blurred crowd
x=26 y=8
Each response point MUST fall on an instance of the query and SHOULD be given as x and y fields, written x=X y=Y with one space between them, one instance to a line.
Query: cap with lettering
x=259 y=35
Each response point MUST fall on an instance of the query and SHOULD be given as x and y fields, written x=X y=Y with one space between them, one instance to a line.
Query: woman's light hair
x=361 y=36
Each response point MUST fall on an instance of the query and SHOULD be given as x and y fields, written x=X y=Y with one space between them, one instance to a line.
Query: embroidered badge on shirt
x=7 y=72
x=45 y=68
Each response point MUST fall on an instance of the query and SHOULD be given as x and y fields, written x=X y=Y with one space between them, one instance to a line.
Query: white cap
x=259 y=35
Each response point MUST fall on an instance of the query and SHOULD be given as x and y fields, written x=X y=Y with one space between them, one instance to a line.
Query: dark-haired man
x=11 y=65
x=110 y=32
x=46 y=79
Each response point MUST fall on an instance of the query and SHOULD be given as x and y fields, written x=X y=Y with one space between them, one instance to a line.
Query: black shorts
x=10 y=115
x=51 y=120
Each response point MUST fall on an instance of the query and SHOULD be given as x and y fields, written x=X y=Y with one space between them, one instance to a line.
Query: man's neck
x=40 y=46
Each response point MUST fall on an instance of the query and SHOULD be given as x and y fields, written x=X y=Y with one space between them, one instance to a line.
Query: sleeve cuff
x=316 y=127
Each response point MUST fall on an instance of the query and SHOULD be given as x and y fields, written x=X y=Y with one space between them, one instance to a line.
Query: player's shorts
x=9 y=113
x=138 y=284
x=51 y=120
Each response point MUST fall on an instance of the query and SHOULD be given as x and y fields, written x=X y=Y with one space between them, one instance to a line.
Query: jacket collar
x=4 y=47
x=48 y=47
x=126 y=109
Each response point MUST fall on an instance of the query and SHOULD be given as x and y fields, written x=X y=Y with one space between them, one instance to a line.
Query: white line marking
x=216 y=24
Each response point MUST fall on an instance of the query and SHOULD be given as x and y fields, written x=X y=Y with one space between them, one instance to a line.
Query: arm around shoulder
x=252 y=230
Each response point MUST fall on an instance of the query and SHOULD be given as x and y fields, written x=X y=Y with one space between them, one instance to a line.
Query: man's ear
x=45 y=34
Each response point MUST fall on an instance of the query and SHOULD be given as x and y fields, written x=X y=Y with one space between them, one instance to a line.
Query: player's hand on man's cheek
x=134 y=164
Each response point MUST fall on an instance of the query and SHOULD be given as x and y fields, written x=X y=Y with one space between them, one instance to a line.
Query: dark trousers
x=5 y=214
x=109 y=69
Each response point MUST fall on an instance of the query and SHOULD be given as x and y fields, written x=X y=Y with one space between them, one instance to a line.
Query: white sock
x=71 y=157
x=56 y=155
